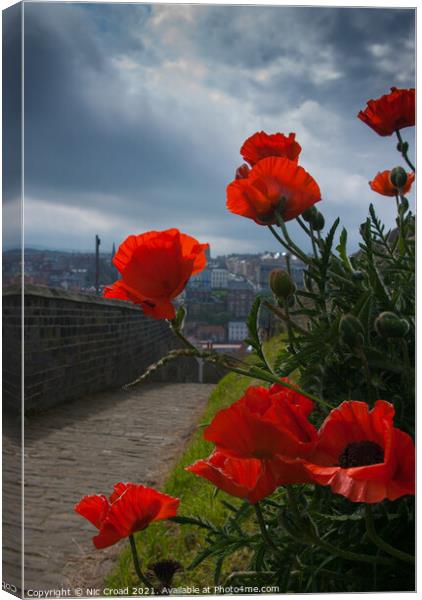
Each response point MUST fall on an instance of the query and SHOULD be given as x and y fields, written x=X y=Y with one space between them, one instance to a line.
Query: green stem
x=310 y=233
x=289 y=327
x=180 y=335
x=355 y=556
x=374 y=537
x=282 y=316
x=360 y=352
x=279 y=238
x=263 y=528
x=261 y=374
x=408 y=381
x=313 y=538
x=293 y=506
x=295 y=249
x=136 y=564
x=404 y=152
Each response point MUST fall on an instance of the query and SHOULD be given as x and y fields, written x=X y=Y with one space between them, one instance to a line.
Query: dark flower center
x=360 y=454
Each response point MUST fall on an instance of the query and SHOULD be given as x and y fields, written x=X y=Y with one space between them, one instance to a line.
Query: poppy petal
x=155 y=268
x=261 y=145
x=382 y=184
x=94 y=508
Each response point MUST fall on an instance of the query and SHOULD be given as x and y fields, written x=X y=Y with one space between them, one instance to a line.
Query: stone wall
x=75 y=345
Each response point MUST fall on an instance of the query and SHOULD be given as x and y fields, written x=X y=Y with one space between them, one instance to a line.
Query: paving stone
x=85 y=447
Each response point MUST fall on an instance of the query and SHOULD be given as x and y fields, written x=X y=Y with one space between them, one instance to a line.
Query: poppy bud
x=281 y=284
x=309 y=214
x=398 y=177
x=242 y=172
x=351 y=331
x=403 y=147
x=318 y=222
x=179 y=320
x=389 y=325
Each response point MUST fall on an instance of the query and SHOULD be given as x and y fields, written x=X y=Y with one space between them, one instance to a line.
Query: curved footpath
x=83 y=448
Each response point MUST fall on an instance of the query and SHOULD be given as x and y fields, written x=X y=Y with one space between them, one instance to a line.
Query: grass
x=165 y=540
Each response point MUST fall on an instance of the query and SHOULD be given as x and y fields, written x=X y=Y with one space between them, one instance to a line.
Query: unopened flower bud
x=242 y=172
x=281 y=284
x=398 y=177
x=351 y=331
x=403 y=147
x=179 y=320
x=309 y=214
x=390 y=325
x=318 y=222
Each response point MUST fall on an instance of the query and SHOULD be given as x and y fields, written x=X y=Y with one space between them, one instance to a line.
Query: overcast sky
x=134 y=114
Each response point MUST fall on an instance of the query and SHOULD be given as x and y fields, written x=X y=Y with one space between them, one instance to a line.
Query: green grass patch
x=164 y=540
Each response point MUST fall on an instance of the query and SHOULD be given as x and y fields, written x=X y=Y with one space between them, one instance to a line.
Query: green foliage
x=323 y=544
x=379 y=278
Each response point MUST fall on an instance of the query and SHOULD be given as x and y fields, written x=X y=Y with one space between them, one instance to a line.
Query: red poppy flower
x=251 y=479
x=263 y=424
x=382 y=184
x=273 y=184
x=261 y=145
x=130 y=508
x=362 y=456
x=155 y=268
x=391 y=112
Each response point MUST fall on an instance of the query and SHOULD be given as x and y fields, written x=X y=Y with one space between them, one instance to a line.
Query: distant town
x=218 y=299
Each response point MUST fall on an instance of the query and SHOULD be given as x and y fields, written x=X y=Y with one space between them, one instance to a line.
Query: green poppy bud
x=351 y=331
x=318 y=222
x=398 y=177
x=403 y=147
x=404 y=205
x=309 y=214
x=281 y=284
x=179 y=320
x=390 y=325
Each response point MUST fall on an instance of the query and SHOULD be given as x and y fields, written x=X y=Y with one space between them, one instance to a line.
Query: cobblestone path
x=83 y=448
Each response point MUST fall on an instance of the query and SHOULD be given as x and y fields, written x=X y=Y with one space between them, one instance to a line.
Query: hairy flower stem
x=289 y=327
x=263 y=528
x=310 y=233
x=136 y=564
x=180 y=335
x=295 y=249
x=374 y=537
x=285 y=245
x=403 y=150
x=370 y=390
x=282 y=316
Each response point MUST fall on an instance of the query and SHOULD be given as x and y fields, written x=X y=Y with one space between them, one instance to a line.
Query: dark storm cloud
x=134 y=114
x=12 y=107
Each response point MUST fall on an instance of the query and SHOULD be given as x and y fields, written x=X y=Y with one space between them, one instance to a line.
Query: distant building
x=237 y=331
x=219 y=278
x=201 y=281
x=210 y=333
x=296 y=269
x=240 y=296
